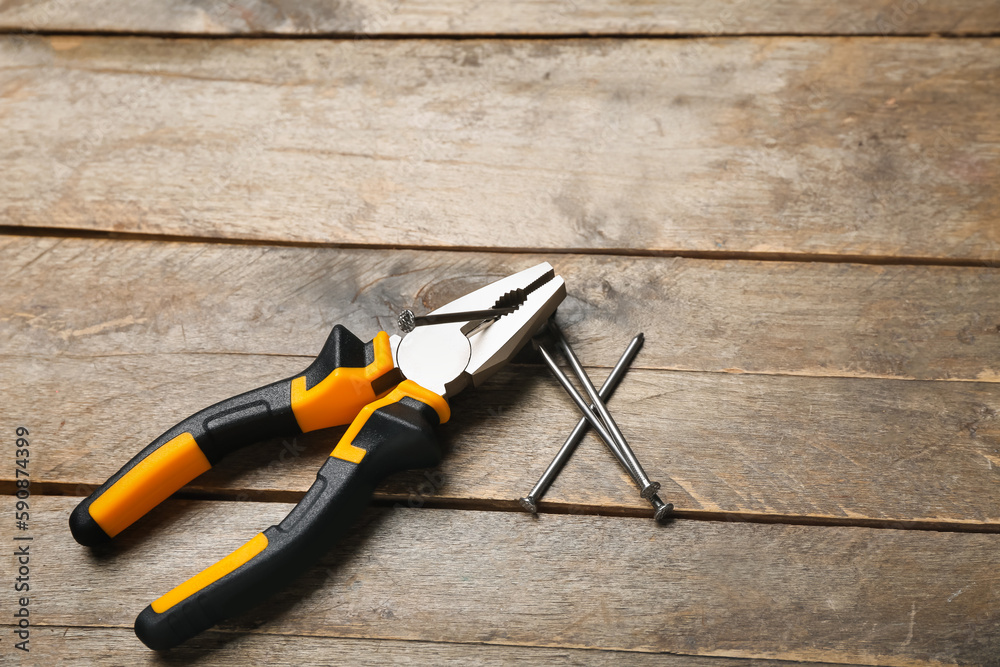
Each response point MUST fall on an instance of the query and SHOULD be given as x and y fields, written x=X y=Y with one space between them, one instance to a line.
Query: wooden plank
x=118 y=646
x=819 y=449
x=819 y=319
x=181 y=326
x=849 y=595
x=846 y=147
x=524 y=17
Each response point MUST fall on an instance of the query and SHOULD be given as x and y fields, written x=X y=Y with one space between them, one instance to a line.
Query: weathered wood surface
x=848 y=147
x=848 y=595
x=774 y=392
x=118 y=646
x=840 y=450
x=524 y=17
x=818 y=319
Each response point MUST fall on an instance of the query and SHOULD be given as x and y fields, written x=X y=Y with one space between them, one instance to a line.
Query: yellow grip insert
x=348 y=452
x=150 y=482
x=338 y=397
x=211 y=574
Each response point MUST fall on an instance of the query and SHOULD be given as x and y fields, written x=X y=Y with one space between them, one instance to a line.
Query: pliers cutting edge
x=392 y=390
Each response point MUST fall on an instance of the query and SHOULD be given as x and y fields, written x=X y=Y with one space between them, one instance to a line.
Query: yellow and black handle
x=391 y=434
x=347 y=375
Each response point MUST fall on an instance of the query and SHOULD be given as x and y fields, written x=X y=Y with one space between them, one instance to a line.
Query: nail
x=661 y=509
x=407 y=321
x=648 y=488
x=530 y=501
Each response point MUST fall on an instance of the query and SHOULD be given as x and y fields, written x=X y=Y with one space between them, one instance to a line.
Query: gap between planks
x=425 y=18
x=69 y=489
x=299 y=648
x=720 y=255
x=513 y=36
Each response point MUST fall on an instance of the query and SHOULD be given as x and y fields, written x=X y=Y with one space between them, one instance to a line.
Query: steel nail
x=407 y=321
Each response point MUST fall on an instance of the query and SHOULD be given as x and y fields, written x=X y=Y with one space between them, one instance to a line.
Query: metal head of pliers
x=446 y=358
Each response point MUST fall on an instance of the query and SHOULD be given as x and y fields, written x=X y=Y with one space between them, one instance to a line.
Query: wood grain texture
x=522 y=17
x=818 y=319
x=123 y=339
x=701 y=588
x=119 y=646
x=847 y=147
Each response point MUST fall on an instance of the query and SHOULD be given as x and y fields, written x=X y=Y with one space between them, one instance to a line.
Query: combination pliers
x=392 y=390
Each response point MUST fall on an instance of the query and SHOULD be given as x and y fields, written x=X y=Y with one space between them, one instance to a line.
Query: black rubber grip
x=397 y=436
x=234 y=423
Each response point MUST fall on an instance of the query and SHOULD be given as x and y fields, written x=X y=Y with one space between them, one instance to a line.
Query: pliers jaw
x=446 y=358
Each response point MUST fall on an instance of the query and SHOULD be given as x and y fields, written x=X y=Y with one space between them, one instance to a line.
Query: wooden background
x=795 y=201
